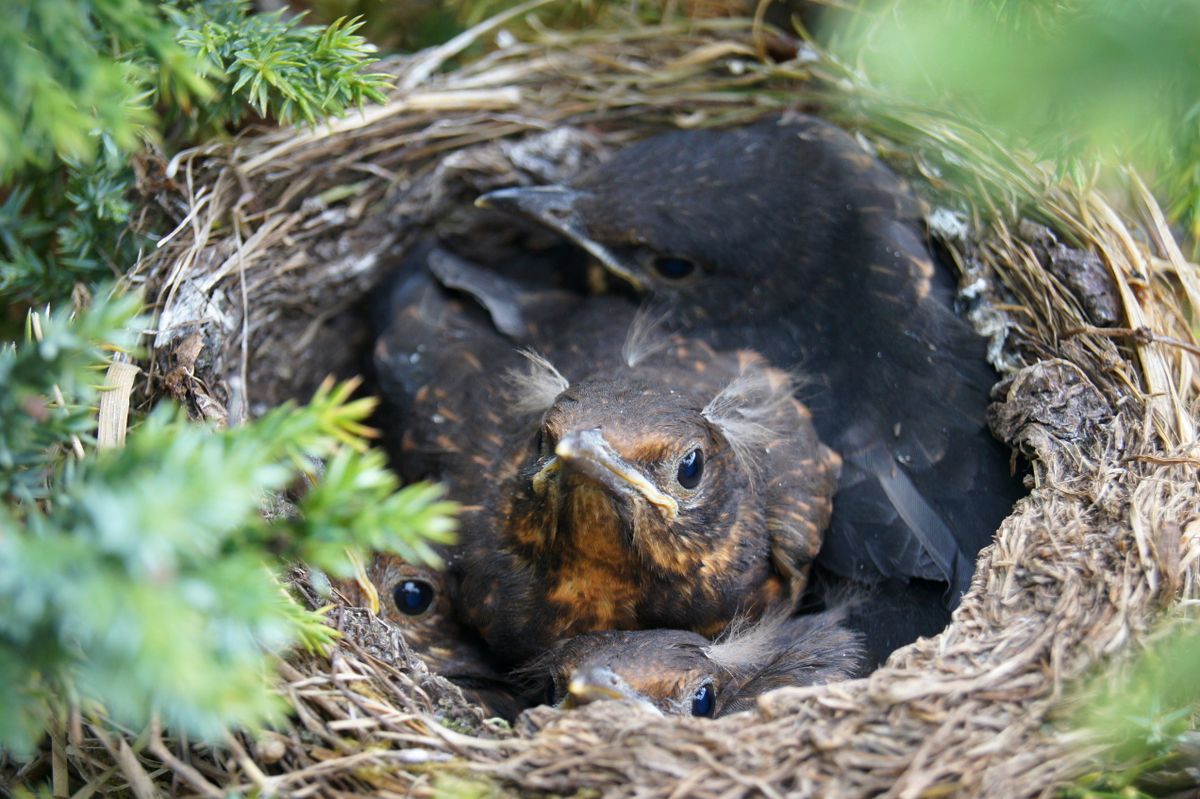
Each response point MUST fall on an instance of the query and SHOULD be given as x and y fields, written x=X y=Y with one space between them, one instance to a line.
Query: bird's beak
x=599 y=684
x=590 y=453
x=556 y=207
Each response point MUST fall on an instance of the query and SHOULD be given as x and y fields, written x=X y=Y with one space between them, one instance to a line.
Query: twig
x=433 y=58
x=187 y=773
x=1159 y=460
x=114 y=403
x=60 y=778
x=139 y=781
x=1141 y=335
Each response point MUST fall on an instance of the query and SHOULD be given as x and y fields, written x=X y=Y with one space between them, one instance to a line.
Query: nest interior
x=281 y=234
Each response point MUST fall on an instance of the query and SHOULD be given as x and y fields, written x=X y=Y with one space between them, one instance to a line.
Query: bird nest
x=281 y=235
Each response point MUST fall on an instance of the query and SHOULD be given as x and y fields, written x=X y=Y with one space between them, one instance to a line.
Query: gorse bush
x=1145 y=716
x=145 y=579
x=90 y=81
x=281 y=69
x=68 y=225
x=78 y=68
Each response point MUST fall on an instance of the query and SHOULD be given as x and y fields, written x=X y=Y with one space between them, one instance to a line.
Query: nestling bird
x=418 y=601
x=682 y=673
x=622 y=479
x=788 y=238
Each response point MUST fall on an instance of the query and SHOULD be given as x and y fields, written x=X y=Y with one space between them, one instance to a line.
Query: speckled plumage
x=552 y=544
x=664 y=669
x=805 y=248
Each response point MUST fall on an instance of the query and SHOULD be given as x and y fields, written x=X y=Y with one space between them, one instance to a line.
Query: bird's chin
x=594 y=511
x=591 y=505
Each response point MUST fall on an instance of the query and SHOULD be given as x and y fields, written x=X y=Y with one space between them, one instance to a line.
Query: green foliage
x=356 y=499
x=276 y=66
x=68 y=72
x=1144 y=715
x=68 y=225
x=1113 y=80
x=88 y=80
x=60 y=358
x=75 y=67
x=143 y=579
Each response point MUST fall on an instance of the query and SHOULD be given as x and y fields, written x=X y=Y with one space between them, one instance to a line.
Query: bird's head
x=644 y=230
x=644 y=443
x=416 y=600
x=722 y=215
x=419 y=602
x=680 y=673
x=666 y=463
x=663 y=671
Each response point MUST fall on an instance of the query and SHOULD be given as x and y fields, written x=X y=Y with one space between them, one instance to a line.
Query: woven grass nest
x=280 y=234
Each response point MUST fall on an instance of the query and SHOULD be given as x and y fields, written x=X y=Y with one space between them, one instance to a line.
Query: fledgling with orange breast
x=645 y=493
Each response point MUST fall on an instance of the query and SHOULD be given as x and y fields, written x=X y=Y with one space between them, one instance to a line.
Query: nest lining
x=281 y=233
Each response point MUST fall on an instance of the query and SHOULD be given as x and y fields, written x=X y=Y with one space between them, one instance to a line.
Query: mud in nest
x=280 y=236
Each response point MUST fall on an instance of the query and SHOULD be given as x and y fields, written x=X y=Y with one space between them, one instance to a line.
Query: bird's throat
x=598 y=581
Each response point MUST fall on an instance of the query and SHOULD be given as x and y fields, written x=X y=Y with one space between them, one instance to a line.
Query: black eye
x=691 y=469
x=413 y=597
x=673 y=268
x=704 y=701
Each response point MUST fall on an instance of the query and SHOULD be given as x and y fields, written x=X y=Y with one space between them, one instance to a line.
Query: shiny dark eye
x=691 y=469
x=673 y=268
x=704 y=701
x=413 y=597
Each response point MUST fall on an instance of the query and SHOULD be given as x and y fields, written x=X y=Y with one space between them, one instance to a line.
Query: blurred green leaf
x=1106 y=80
x=1143 y=713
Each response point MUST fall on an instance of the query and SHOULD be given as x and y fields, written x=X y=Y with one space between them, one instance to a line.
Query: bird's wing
x=498 y=296
x=799 y=483
x=437 y=363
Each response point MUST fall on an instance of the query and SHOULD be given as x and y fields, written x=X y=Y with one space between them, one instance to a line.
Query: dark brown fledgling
x=629 y=480
x=418 y=601
x=682 y=673
x=787 y=237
